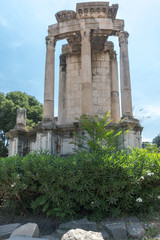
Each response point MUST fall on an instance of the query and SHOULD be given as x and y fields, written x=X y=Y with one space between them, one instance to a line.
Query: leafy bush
x=99 y=134
x=86 y=184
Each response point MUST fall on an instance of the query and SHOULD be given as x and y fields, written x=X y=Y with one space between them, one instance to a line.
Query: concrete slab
x=6 y=230
x=27 y=230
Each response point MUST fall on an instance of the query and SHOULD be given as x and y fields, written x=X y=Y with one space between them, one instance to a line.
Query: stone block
x=104 y=79
x=96 y=64
x=77 y=234
x=106 y=56
x=68 y=60
x=74 y=73
x=70 y=94
x=104 y=71
x=104 y=93
x=101 y=85
x=117 y=230
x=100 y=56
x=95 y=93
x=28 y=230
x=95 y=101
x=103 y=64
x=51 y=237
x=70 y=110
x=68 y=73
x=6 y=230
x=134 y=228
x=78 y=110
x=82 y=224
x=102 y=101
x=94 y=71
x=97 y=79
x=78 y=102
x=105 y=235
x=61 y=232
x=100 y=71
x=74 y=59
x=77 y=94
x=94 y=86
x=94 y=56
x=70 y=66
x=26 y=238
x=77 y=65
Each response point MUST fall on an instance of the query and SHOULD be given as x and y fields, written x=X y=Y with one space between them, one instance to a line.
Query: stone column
x=62 y=90
x=115 y=108
x=126 y=100
x=86 y=72
x=49 y=80
x=21 y=117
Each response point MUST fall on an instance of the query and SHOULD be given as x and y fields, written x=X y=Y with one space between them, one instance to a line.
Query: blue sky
x=23 y=27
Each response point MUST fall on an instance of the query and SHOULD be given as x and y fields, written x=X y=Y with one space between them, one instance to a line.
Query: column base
x=133 y=136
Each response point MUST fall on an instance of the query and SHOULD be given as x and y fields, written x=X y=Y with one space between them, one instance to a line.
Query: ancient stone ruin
x=88 y=80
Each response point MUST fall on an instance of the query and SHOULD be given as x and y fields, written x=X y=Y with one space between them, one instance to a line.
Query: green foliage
x=3 y=144
x=86 y=184
x=9 y=104
x=156 y=140
x=152 y=147
x=99 y=135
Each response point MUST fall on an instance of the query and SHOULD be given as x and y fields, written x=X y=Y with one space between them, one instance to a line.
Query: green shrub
x=99 y=135
x=86 y=184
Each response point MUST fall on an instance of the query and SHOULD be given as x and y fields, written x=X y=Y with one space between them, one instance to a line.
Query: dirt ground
x=46 y=225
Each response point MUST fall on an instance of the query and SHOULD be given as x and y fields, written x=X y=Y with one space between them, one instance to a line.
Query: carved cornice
x=123 y=37
x=63 y=16
x=96 y=9
x=50 y=42
x=88 y=10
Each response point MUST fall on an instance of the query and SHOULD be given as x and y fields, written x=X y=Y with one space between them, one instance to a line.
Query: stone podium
x=88 y=77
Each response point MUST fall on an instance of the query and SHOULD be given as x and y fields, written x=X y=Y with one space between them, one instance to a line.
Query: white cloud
x=147 y=112
x=146 y=139
x=4 y=22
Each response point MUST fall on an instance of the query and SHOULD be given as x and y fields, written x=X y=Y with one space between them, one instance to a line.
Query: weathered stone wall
x=73 y=88
x=101 y=86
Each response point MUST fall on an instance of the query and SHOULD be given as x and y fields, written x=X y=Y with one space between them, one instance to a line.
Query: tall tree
x=156 y=140
x=9 y=104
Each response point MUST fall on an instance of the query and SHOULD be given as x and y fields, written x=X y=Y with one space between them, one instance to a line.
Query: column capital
x=113 y=55
x=50 y=42
x=85 y=34
x=123 y=37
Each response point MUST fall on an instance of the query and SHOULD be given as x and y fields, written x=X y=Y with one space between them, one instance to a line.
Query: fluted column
x=86 y=72
x=115 y=108
x=49 y=79
x=62 y=90
x=126 y=99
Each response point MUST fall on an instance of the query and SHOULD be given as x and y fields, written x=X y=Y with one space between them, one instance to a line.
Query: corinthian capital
x=123 y=37
x=85 y=34
x=50 y=42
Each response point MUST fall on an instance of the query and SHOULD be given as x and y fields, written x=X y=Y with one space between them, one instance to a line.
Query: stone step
x=24 y=238
x=27 y=230
x=6 y=230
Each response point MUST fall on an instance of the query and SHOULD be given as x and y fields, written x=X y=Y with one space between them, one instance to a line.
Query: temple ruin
x=88 y=80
